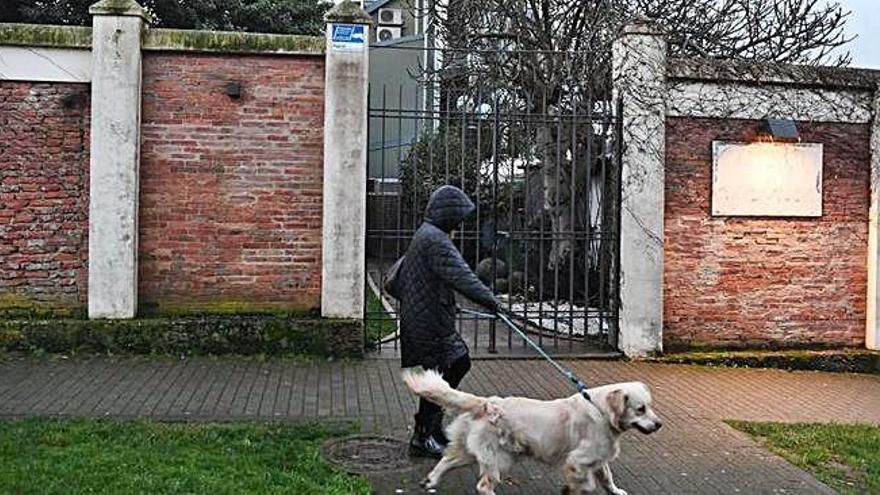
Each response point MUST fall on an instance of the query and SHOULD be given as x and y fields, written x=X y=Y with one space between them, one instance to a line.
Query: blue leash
x=577 y=382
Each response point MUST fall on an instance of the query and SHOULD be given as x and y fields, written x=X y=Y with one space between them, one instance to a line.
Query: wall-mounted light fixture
x=233 y=89
x=783 y=130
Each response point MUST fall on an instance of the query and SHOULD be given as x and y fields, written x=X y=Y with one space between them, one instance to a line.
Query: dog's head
x=629 y=405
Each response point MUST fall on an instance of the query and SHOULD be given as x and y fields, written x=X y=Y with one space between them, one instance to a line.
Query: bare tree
x=551 y=61
x=787 y=31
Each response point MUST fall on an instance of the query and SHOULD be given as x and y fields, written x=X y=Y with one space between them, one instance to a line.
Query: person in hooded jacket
x=430 y=273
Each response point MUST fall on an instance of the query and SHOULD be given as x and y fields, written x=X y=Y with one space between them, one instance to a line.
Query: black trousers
x=428 y=411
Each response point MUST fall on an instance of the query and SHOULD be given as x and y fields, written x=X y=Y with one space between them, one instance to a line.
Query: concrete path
x=694 y=453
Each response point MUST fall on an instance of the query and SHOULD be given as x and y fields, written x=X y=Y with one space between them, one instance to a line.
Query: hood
x=448 y=207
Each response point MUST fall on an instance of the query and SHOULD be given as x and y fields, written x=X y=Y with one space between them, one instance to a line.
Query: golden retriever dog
x=577 y=435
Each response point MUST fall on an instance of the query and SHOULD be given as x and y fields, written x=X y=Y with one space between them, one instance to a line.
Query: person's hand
x=492 y=305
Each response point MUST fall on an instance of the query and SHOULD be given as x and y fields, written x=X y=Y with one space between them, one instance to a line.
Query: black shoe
x=438 y=432
x=423 y=444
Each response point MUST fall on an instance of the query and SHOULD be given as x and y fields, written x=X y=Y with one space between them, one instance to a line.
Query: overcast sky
x=866 y=48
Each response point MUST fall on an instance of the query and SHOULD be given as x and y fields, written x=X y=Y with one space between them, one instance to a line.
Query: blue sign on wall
x=348 y=37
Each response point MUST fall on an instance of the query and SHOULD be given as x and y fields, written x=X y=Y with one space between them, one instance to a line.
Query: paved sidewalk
x=694 y=453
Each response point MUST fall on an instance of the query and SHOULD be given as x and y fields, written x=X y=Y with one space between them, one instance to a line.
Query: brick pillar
x=115 y=145
x=872 y=330
x=639 y=71
x=345 y=162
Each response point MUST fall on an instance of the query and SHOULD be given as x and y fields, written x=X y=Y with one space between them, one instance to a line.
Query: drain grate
x=361 y=454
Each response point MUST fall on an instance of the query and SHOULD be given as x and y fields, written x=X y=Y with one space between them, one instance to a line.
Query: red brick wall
x=44 y=196
x=230 y=201
x=734 y=282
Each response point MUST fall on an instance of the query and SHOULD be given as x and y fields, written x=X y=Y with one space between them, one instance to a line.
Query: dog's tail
x=431 y=386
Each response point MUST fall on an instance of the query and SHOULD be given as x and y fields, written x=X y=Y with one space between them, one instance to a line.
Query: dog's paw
x=427 y=484
x=618 y=491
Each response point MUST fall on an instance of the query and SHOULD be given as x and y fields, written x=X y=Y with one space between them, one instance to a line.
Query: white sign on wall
x=766 y=179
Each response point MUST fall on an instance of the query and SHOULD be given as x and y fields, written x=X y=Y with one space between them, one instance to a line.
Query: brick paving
x=694 y=453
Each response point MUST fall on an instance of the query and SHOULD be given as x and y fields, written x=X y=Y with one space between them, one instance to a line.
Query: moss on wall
x=836 y=360
x=243 y=335
x=166 y=39
x=231 y=42
x=13 y=305
x=48 y=36
x=223 y=307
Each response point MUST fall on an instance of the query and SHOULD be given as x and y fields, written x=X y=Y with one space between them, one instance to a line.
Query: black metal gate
x=542 y=164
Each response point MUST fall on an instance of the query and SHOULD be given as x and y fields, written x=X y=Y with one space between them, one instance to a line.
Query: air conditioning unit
x=390 y=17
x=387 y=33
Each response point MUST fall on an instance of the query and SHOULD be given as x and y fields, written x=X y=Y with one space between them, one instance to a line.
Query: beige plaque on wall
x=766 y=179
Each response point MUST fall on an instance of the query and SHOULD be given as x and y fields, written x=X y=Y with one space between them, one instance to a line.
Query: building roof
x=375 y=5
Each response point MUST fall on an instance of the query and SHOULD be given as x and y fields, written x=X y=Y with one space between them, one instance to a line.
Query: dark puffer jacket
x=430 y=274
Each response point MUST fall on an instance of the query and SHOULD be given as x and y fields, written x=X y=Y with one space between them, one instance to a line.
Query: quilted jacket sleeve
x=449 y=266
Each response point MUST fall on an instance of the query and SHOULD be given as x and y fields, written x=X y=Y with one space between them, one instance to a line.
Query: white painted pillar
x=640 y=80
x=115 y=146
x=872 y=327
x=345 y=161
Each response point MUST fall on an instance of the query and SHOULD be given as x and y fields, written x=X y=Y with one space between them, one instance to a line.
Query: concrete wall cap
x=642 y=24
x=348 y=12
x=125 y=8
x=34 y=35
x=763 y=73
x=200 y=41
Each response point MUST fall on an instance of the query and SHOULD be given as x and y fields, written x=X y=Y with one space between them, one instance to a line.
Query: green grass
x=92 y=456
x=379 y=322
x=845 y=457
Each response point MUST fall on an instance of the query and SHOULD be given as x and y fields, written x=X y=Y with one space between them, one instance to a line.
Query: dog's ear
x=617 y=400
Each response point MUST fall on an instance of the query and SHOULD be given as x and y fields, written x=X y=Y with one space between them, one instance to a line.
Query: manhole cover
x=363 y=454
